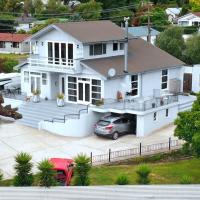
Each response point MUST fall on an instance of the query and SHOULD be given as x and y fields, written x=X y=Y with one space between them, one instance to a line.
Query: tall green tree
x=23 y=168
x=90 y=10
x=28 y=6
x=171 y=41
x=38 y=6
x=192 y=52
x=13 y=5
x=188 y=127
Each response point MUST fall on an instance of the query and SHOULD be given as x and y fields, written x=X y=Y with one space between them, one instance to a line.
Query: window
x=2 y=44
x=167 y=113
x=72 y=88
x=26 y=77
x=97 y=49
x=154 y=116
x=121 y=46
x=134 y=85
x=115 y=46
x=15 y=44
x=164 y=80
x=96 y=90
x=44 y=79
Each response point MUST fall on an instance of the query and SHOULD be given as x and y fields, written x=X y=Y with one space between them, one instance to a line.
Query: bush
x=46 y=176
x=186 y=180
x=122 y=180
x=143 y=172
x=9 y=65
x=1 y=176
x=23 y=168
x=82 y=170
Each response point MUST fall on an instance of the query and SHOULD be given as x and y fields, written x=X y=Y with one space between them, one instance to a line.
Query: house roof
x=196 y=13
x=13 y=37
x=92 y=31
x=140 y=31
x=142 y=57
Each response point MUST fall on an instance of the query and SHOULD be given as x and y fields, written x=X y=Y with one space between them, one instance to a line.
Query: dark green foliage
x=186 y=180
x=171 y=41
x=23 y=168
x=122 y=180
x=188 y=127
x=143 y=172
x=1 y=176
x=46 y=176
x=82 y=170
x=9 y=65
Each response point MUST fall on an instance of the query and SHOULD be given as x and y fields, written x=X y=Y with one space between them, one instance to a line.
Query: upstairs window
x=118 y=46
x=121 y=46
x=134 y=85
x=2 y=44
x=97 y=49
x=164 y=79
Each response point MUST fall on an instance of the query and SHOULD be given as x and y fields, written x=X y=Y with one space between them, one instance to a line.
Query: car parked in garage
x=114 y=126
x=64 y=169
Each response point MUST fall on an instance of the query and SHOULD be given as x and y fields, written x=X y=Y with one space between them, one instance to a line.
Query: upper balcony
x=52 y=64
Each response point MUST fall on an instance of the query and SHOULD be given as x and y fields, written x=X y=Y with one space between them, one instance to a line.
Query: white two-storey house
x=85 y=62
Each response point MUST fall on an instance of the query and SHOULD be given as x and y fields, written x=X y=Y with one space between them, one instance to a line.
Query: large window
x=97 y=49
x=72 y=89
x=96 y=90
x=15 y=44
x=164 y=81
x=134 y=85
x=2 y=44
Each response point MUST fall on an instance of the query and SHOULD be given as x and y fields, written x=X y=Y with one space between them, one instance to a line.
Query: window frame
x=92 y=49
x=164 y=82
x=16 y=46
x=2 y=45
x=134 y=88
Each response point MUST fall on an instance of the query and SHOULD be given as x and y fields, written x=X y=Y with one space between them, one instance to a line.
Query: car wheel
x=115 y=136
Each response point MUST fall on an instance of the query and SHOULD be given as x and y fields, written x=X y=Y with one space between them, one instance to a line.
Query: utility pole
x=149 y=25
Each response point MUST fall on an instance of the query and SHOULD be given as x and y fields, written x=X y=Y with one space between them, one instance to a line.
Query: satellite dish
x=111 y=72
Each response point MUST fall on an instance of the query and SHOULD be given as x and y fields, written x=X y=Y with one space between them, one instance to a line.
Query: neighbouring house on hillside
x=87 y=65
x=14 y=43
x=142 y=32
x=25 y=23
x=173 y=14
x=190 y=19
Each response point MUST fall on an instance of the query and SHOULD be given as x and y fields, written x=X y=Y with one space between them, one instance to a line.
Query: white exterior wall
x=146 y=124
x=153 y=39
x=23 y=48
x=69 y=128
x=196 y=78
x=188 y=20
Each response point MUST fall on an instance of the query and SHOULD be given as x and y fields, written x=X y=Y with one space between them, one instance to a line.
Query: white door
x=84 y=94
x=35 y=83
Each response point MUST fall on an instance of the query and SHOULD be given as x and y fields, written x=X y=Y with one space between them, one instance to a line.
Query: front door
x=35 y=83
x=84 y=91
x=187 y=82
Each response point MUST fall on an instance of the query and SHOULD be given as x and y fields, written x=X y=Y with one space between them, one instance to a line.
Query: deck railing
x=39 y=61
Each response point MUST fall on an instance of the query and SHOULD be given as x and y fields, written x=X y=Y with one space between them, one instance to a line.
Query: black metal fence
x=141 y=150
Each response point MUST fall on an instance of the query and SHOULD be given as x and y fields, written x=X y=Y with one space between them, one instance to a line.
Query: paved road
x=15 y=138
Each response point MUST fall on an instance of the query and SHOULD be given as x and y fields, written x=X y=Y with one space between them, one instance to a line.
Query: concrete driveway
x=15 y=138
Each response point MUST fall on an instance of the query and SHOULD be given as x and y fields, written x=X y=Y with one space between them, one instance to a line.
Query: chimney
x=126 y=46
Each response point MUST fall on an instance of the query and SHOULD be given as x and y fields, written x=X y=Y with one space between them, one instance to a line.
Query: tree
x=38 y=6
x=188 y=127
x=23 y=168
x=195 y=4
x=191 y=54
x=28 y=7
x=82 y=170
x=171 y=41
x=13 y=5
x=46 y=176
x=90 y=10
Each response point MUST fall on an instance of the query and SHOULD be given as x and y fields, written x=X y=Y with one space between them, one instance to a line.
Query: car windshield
x=103 y=123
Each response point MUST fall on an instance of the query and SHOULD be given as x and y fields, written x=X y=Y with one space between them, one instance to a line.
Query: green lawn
x=13 y=56
x=162 y=173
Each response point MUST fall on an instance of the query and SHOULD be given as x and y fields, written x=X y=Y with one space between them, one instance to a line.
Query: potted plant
x=60 y=100
x=36 y=96
x=99 y=102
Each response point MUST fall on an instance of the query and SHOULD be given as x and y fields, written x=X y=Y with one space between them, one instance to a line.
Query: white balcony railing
x=51 y=63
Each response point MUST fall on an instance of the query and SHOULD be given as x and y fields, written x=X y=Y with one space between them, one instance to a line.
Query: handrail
x=65 y=116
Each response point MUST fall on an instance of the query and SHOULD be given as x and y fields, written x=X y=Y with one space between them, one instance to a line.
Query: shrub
x=82 y=170
x=46 y=176
x=143 y=172
x=9 y=65
x=122 y=180
x=23 y=168
x=186 y=180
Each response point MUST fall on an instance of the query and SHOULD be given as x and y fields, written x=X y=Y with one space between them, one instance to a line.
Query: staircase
x=33 y=113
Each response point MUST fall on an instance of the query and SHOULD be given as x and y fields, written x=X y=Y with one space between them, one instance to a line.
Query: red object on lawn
x=64 y=169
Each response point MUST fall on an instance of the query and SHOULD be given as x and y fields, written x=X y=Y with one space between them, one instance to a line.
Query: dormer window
x=97 y=49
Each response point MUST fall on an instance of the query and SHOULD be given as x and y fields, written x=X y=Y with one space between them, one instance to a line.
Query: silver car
x=113 y=126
